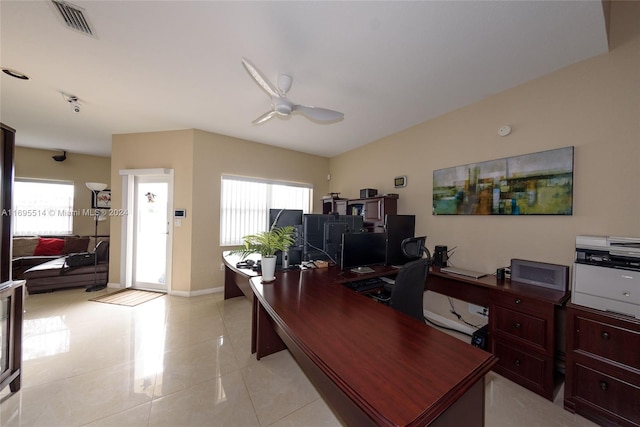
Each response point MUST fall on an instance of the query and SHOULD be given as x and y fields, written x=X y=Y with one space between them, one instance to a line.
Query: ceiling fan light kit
x=280 y=104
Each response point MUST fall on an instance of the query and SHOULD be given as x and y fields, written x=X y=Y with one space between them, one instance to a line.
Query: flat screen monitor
x=398 y=228
x=362 y=250
x=322 y=235
x=283 y=218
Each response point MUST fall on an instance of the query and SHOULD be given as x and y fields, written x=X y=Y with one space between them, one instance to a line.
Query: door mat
x=128 y=297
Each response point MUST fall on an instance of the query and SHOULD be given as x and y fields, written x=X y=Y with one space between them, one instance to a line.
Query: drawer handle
x=605 y=335
x=517 y=363
x=518 y=301
x=517 y=325
x=604 y=386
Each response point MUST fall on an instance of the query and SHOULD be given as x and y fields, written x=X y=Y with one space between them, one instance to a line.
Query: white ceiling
x=164 y=65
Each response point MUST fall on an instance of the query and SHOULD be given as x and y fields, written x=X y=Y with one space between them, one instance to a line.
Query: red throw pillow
x=49 y=246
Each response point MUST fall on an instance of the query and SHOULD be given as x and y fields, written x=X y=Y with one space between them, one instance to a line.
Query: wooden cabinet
x=11 y=307
x=373 y=210
x=522 y=337
x=603 y=366
x=334 y=204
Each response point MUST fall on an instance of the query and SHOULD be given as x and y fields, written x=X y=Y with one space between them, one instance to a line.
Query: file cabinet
x=603 y=366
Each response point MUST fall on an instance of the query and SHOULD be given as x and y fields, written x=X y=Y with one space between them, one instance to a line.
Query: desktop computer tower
x=398 y=228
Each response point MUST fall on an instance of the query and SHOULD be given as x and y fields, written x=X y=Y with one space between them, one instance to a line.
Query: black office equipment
x=397 y=228
x=480 y=338
x=366 y=284
x=283 y=218
x=406 y=294
x=360 y=250
x=322 y=235
x=441 y=256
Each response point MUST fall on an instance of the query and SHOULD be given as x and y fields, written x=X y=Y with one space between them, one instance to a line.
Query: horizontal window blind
x=245 y=204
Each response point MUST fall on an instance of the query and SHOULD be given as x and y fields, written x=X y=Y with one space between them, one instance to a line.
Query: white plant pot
x=268 y=268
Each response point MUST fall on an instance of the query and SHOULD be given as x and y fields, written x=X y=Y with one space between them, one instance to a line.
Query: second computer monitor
x=362 y=250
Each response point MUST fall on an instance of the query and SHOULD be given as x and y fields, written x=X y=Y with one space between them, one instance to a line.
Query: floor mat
x=128 y=297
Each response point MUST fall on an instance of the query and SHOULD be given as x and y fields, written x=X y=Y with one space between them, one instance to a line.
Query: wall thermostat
x=400 y=181
x=180 y=213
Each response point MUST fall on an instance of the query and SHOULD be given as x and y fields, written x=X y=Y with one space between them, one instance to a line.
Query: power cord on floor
x=446 y=328
x=459 y=316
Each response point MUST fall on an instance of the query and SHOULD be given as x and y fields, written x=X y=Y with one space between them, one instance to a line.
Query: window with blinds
x=245 y=204
x=42 y=207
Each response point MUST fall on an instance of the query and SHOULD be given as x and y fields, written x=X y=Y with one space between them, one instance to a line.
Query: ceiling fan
x=281 y=104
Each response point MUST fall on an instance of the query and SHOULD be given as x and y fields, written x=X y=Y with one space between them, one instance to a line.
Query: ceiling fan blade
x=263 y=118
x=262 y=81
x=319 y=114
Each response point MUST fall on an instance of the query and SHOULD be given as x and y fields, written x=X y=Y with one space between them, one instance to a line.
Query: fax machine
x=606 y=274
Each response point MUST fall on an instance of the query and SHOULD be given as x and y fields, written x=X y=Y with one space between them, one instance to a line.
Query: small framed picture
x=101 y=199
x=400 y=181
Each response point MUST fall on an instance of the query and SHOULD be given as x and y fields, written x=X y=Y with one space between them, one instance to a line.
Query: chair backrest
x=406 y=295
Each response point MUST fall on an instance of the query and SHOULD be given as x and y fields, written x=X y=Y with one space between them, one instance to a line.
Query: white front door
x=147 y=229
x=151 y=231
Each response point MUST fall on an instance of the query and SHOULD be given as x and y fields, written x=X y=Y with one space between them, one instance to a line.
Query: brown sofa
x=28 y=251
x=56 y=274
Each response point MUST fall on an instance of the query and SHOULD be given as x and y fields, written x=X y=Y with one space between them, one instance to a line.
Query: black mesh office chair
x=406 y=293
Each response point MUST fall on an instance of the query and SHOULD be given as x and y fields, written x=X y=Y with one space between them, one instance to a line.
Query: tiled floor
x=178 y=361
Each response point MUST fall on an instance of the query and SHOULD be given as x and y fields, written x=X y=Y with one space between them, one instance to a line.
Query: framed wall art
x=101 y=199
x=531 y=184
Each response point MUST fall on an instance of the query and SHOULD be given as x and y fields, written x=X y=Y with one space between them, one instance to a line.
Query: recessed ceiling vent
x=74 y=18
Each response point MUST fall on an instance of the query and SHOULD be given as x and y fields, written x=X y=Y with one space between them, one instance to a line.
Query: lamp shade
x=96 y=186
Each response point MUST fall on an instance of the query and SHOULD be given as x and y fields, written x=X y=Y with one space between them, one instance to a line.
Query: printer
x=606 y=274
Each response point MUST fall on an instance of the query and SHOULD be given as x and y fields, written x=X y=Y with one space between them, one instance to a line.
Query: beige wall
x=593 y=105
x=215 y=155
x=79 y=168
x=199 y=159
x=171 y=150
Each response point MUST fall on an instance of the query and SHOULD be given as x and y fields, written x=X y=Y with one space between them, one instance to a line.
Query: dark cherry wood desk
x=374 y=365
x=523 y=320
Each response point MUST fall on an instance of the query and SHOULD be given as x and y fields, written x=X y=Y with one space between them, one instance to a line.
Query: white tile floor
x=178 y=361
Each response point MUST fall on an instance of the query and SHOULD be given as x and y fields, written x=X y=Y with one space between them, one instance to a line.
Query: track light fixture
x=73 y=102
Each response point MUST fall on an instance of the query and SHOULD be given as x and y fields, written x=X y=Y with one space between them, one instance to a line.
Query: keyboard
x=366 y=284
x=463 y=272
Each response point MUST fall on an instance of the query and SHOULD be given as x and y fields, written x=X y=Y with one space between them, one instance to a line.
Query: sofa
x=56 y=273
x=29 y=251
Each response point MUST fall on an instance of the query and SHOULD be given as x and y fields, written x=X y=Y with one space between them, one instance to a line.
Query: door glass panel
x=151 y=234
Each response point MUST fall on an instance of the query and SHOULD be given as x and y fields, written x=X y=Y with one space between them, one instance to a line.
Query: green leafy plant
x=267 y=243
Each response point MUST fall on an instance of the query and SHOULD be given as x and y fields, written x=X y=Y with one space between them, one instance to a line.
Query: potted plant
x=267 y=243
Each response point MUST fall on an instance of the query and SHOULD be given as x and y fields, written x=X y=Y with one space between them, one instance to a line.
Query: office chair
x=406 y=293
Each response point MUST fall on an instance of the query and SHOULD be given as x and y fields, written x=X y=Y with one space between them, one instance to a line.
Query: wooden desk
x=522 y=324
x=374 y=365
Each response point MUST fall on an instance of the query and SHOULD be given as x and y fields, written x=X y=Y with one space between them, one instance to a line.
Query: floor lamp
x=95 y=188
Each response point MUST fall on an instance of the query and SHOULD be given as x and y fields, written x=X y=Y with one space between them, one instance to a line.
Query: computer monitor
x=283 y=218
x=362 y=250
x=322 y=235
x=397 y=228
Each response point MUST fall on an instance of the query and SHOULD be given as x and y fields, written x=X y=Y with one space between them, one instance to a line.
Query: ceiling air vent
x=74 y=18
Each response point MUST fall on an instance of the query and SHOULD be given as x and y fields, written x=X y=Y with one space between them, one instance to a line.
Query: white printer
x=606 y=274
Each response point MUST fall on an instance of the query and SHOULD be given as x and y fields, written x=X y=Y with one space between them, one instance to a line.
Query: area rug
x=128 y=297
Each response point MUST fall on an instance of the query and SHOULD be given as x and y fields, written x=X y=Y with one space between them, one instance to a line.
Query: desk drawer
x=528 y=368
x=611 y=342
x=618 y=398
x=523 y=326
x=520 y=303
